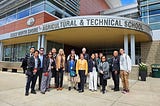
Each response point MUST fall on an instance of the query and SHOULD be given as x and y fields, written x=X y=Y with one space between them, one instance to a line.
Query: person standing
x=42 y=58
x=47 y=74
x=115 y=70
x=71 y=69
x=33 y=67
x=92 y=73
x=125 y=69
x=24 y=61
x=73 y=54
x=98 y=60
x=103 y=69
x=82 y=71
x=54 y=52
x=86 y=57
x=60 y=67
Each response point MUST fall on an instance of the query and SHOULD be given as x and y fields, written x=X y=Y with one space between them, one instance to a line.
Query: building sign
x=30 y=21
x=86 y=21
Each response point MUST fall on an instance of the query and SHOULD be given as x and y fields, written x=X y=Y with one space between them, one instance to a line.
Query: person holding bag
x=47 y=73
x=71 y=69
x=103 y=69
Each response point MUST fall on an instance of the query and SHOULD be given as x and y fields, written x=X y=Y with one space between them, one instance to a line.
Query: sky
x=126 y=2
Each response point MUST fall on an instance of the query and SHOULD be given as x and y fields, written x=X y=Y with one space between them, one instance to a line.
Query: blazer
x=115 y=63
x=58 y=62
x=103 y=67
x=90 y=65
x=46 y=64
x=31 y=64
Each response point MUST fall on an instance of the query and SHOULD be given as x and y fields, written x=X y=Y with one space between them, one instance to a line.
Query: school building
x=98 y=25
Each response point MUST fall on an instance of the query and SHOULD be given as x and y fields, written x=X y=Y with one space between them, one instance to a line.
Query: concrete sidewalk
x=12 y=87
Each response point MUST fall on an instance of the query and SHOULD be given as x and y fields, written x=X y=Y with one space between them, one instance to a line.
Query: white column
x=133 y=49
x=1 y=50
x=39 y=42
x=43 y=41
x=126 y=44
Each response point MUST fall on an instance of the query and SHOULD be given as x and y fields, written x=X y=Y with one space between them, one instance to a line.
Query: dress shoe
x=60 y=88
x=103 y=92
x=69 y=88
x=116 y=89
x=26 y=94
x=42 y=92
x=81 y=91
x=33 y=92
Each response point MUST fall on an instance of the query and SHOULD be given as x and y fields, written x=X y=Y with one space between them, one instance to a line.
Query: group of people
x=78 y=68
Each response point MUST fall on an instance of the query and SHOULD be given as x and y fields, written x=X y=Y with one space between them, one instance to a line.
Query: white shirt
x=125 y=63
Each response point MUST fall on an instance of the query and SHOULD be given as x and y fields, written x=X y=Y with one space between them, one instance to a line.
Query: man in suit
x=33 y=67
x=24 y=61
x=42 y=58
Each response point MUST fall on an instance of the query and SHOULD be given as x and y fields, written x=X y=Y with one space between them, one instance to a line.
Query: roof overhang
x=91 y=31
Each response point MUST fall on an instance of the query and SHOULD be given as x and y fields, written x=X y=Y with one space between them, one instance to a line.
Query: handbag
x=106 y=75
x=72 y=73
x=78 y=79
x=29 y=73
x=46 y=74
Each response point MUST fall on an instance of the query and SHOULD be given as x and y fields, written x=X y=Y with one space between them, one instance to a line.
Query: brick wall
x=150 y=53
x=21 y=24
x=92 y=7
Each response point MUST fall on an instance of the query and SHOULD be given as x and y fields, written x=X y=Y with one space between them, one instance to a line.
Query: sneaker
x=124 y=92
x=127 y=91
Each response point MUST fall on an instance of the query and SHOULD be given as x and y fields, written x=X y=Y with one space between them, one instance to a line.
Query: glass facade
x=59 y=8
x=150 y=13
x=17 y=52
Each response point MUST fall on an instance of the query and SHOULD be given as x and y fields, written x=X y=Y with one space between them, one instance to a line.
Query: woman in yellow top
x=81 y=70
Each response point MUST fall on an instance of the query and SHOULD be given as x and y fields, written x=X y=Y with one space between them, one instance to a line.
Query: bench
x=14 y=66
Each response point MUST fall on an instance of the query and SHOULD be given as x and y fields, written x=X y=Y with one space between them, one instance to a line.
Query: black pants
x=115 y=78
x=39 y=74
x=103 y=82
x=82 y=79
x=31 y=79
x=54 y=75
x=59 y=78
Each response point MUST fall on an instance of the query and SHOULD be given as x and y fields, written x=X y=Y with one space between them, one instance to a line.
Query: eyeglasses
x=103 y=58
x=50 y=54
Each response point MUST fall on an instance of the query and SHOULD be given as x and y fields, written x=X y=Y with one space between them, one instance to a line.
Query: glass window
x=154 y=12
x=50 y=9
x=23 y=14
x=11 y=18
x=154 y=6
x=145 y=20
x=24 y=7
x=7 y=53
x=155 y=26
x=37 y=9
x=154 y=19
x=2 y=21
x=22 y=50
x=36 y=2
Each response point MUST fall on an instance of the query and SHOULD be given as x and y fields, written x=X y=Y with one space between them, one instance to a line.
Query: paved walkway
x=142 y=94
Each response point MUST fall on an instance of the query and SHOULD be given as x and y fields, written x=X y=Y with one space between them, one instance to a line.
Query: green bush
x=142 y=67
